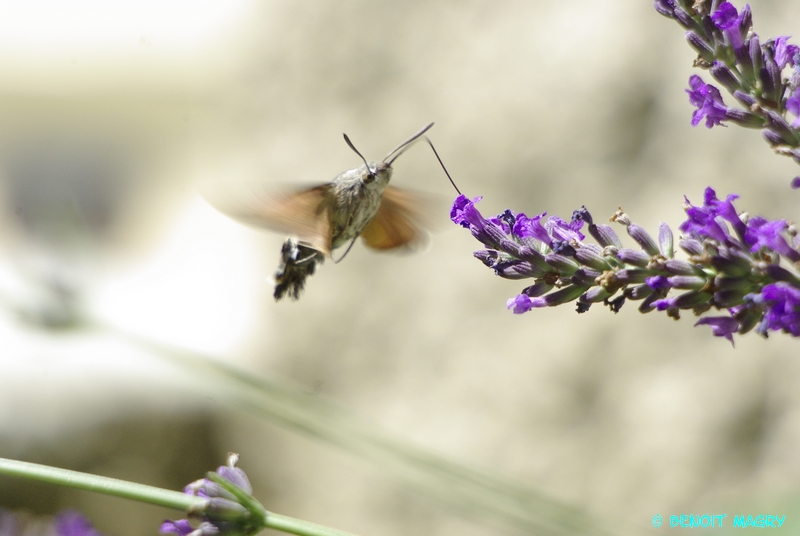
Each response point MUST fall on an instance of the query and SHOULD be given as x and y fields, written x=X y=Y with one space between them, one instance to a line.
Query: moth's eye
x=367 y=177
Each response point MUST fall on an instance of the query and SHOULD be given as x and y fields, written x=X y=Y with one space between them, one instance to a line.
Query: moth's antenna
x=442 y=164
x=353 y=147
x=353 y=241
x=400 y=149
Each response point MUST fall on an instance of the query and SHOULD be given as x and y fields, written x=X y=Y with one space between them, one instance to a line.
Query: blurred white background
x=112 y=114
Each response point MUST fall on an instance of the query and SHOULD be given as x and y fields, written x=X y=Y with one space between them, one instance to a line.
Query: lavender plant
x=742 y=265
x=752 y=72
x=734 y=263
x=220 y=504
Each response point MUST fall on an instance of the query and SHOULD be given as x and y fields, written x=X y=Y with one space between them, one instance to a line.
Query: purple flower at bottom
x=782 y=308
x=721 y=326
x=71 y=523
x=708 y=101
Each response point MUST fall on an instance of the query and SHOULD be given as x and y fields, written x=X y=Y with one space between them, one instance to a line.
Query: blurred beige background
x=110 y=115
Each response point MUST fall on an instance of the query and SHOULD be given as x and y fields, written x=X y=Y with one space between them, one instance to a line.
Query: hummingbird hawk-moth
x=357 y=202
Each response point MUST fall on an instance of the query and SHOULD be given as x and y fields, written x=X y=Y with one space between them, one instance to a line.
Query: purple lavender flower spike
x=708 y=101
x=733 y=265
x=721 y=326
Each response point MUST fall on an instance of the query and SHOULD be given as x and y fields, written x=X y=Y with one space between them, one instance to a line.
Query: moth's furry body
x=355 y=196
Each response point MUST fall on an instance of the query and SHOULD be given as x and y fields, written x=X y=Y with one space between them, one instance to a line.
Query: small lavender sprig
x=222 y=502
x=752 y=72
x=733 y=264
x=229 y=508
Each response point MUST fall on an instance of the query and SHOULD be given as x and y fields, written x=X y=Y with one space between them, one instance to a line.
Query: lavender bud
x=643 y=238
x=489 y=235
x=770 y=78
x=639 y=292
x=634 y=257
x=781 y=127
x=647 y=304
x=703 y=49
x=665 y=241
x=665 y=8
x=748 y=319
x=692 y=282
x=743 y=118
x=732 y=283
x=595 y=295
x=745 y=20
x=510 y=247
x=563 y=265
x=680 y=267
x=616 y=304
x=724 y=76
x=686 y=20
x=592 y=256
x=564 y=295
x=746 y=99
x=583 y=277
x=487 y=256
x=755 y=53
x=734 y=267
x=729 y=298
x=778 y=273
x=691 y=246
x=537 y=289
x=605 y=236
x=773 y=138
x=742 y=55
x=224 y=509
x=629 y=276
x=689 y=300
x=516 y=270
x=533 y=256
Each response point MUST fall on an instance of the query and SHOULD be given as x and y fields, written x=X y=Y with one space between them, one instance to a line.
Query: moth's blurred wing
x=304 y=214
x=400 y=221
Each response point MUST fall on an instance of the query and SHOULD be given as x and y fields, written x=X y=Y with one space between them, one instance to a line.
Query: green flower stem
x=300 y=527
x=149 y=494
x=100 y=484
